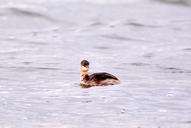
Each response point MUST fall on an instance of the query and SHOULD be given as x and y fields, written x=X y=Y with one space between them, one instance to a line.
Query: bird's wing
x=102 y=76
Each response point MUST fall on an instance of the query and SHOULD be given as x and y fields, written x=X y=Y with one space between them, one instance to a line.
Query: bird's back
x=102 y=79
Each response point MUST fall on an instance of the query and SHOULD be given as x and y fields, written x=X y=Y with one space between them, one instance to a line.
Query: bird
x=95 y=79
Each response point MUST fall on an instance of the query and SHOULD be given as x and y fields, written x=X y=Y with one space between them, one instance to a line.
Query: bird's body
x=96 y=79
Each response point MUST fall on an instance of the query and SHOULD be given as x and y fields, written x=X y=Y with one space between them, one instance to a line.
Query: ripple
x=31 y=68
x=141 y=25
x=27 y=13
x=177 y=2
x=102 y=47
x=188 y=122
x=149 y=55
x=138 y=64
x=117 y=37
x=96 y=24
x=18 y=50
x=187 y=49
x=173 y=70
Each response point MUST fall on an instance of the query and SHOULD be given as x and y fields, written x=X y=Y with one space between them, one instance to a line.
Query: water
x=146 y=44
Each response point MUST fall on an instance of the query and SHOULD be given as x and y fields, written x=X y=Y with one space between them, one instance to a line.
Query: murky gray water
x=145 y=43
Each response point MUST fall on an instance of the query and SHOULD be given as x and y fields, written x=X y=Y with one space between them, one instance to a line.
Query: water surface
x=146 y=44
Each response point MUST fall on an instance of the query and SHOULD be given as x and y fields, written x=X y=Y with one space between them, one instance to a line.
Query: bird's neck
x=83 y=74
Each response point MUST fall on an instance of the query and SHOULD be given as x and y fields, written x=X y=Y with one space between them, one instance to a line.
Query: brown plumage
x=96 y=79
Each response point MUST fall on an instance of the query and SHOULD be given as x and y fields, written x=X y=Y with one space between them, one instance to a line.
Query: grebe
x=96 y=79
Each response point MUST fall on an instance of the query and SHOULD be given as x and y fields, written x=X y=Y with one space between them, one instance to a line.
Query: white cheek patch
x=84 y=68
